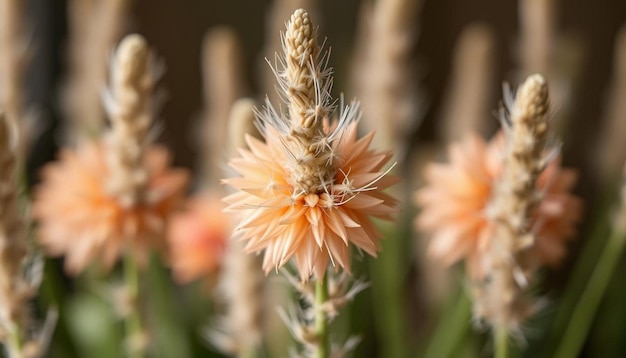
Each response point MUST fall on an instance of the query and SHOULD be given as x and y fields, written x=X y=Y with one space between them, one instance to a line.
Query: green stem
x=169 y=334
x=585 y=309
x=132 y=322
x=247 y=352
x=501 y=343
x=452 y=328
x=321 y=318
x=389 y=273
x=14 y=342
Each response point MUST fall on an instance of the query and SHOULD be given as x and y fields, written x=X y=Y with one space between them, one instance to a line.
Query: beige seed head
x=532 y=100
x=301 y=52
x=15 y=290
x=129 y=106
x=132 y=59
x=502 y=300
x=383 y=70
x=305 y=83
x=13 y=59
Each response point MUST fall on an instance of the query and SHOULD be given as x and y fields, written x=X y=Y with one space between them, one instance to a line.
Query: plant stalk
x=587 y=306
x=501 y=343
x=132 y=322
x=321 y=317
x=452 y=328
x=14 y=342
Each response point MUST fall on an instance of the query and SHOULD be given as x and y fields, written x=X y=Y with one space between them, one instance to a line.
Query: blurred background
x=586 y=32
x=585 y=63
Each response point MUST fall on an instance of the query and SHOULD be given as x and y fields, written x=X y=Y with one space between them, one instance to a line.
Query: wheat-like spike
x=241 y=286
x=305 y=82
x=13 y=59
x=383 y=73
x=278 y=11
x=129 y=104
x=502 y=299
x=15 y=290
x=300 y=75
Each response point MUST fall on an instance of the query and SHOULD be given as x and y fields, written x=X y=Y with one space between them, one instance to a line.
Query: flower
x=454 y=206
x=198 y=238
x=80 y=219
x=311 y=188
x=315 y=227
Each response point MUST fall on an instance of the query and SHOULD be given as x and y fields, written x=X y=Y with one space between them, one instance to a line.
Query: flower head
x=80 y=218
x=115 y=194
x=455 y=206
x=198 y=238
x=311 y=188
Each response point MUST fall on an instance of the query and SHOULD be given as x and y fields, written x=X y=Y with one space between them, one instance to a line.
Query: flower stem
x=452 y=328
x=501 y=343
x=247 y=352
x=321 y=318
x=388 y=288
x=132 y=322
x=587 y=305
x=14 y=342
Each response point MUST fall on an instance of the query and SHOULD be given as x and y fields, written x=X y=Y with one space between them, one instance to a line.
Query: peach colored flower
x=198 y=238
x=78 y=218
x=318 y=226
x=454 y=208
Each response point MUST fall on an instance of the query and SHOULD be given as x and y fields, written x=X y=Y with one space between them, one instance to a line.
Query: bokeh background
x=176 y=29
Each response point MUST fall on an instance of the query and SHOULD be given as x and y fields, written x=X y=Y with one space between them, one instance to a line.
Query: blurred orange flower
x=455 y=198
x=198 y=238
x=314 y=227
x=78 y=218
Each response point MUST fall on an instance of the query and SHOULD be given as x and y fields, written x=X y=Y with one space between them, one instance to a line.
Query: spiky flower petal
x=198 y=238
x=454 y=206
x=313 y=227
x=81 y=219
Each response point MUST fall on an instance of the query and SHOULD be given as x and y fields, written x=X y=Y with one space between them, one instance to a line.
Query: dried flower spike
x=15 y=290
x=383 y=74
x=456 y=197
x=239 y=331
x=505 y=207
x=278 y=11
x=502 y=299
x=310 y=189
x=114 y=194
x=13 y=60
x=129 y=106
